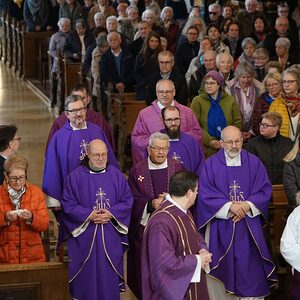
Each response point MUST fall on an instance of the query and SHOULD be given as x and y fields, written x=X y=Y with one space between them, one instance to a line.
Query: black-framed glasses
x=76 y=111
x=170 y=121
x=288 y=82
x=17 y=139
x=230 y=142
x=264 y=125
x=16 y=178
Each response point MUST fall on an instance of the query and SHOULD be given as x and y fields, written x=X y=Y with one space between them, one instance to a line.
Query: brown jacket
x=20 y=242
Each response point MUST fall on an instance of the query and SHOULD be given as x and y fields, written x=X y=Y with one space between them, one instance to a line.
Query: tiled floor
x=33 y=117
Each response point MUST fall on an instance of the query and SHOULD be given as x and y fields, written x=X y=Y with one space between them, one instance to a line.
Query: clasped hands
x=157 y=202
x=239 y=210
x=100 y=216
x=205 y=257
x=12 y=215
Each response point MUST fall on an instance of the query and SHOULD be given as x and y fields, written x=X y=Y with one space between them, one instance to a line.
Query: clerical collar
x=75 y=128
x=153 y=166
x=174 y=140
x=160 y=106
x=168 y=197
x=94 y=169
x=233 y=162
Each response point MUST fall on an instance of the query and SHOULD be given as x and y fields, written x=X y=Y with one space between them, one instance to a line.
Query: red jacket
x=19 y=242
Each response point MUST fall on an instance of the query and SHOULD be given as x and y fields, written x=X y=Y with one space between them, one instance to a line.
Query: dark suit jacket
x=109 y=70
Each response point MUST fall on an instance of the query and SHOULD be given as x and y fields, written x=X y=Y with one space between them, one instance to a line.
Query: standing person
x=96 y=208
x=214 y=110
x=149 y=183
x=9 y=144
x=150 y=120
x=233 y=207
x=174 y=254
x=72 y=10
x=23 y=215
x=270 y=146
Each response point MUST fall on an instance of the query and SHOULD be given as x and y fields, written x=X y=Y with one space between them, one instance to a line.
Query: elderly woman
x=23 y=215
x=272 y=85
x=261 y=58
x=224 y=63
x=248 y=46
x=149 y=16
x=170 y=28
x=129 y=27
x=78 y=42
x=289 y=105
x=214 y=110
x=99 y=19
x=56 y=46
x=246 y=90
x=70 y=9
x=36 y=15
x=282 y=47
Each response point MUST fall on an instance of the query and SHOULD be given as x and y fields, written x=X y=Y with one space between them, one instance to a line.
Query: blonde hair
x=15 y=161
x=293 y=153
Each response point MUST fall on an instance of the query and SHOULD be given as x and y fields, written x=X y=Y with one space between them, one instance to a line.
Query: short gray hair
x=99 y=14
x=158 y=136
x=215 y=5
x=244 y=68
x=247 y=41
x=283 y=41
x=63 y=20
x=71 y=99
x=219 y=55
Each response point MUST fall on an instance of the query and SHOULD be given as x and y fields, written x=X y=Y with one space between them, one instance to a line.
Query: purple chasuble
x=188 y=152
x=294 y=287
x=65 y=152
x=150 y=120
x=96 y=254
x=91 y=117
x=170 y=243
x=143 y=190
x=238 y=249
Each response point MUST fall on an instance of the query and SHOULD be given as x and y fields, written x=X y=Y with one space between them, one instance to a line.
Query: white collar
x=153 y=166
x=168 y=197
x=161 y=106
x=233 y=162
x=75 y=128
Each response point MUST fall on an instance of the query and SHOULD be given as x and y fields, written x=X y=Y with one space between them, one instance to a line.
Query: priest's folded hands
x=205 y=258
x=100 y=216
x=239 y=210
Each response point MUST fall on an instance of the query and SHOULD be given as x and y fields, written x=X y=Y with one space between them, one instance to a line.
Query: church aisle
x=20 y=106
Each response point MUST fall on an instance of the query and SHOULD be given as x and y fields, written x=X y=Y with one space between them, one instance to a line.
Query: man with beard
x=183 y=147
x=232 y=208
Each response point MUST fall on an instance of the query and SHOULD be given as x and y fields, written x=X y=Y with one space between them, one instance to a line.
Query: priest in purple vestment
x=183 y=147
x=66 y=151
x=150 y=120
x=91 y=116
x=233 y=205
x=174 y=254
x=96 y=207
x=149 y=183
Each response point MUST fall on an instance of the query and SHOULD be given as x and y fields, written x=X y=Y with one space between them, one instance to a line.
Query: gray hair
x=147 y=11
x=112 y=18
x=262 y=51
x=190 y=22
x=99 y=14
x=63 y=20
x=283 y=41
x=244 y=68
x=131 y=7
x=247 y=41
x=165 y=80
x=158 y=136
x=164 y=10
x=71 y=99
x=80 y=22
x=101 y=41
x=214 y=5
x=295 y=72
x=219 y=55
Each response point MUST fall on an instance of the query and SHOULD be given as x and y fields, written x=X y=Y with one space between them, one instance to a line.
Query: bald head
x=231 y=141
x=97 y=154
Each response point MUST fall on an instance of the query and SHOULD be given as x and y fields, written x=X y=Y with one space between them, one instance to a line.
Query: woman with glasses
x=23 y=215
x=9 y=144
x=272 y=85
x=214 y=110
x=289 y=104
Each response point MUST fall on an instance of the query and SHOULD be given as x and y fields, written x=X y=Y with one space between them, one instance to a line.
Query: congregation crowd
x=221 y=127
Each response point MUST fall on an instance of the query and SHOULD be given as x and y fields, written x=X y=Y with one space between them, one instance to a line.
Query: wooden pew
x=3 y=37
x=20 y=28
x=72 y=75
x=278 y=209
x=31 y=46
x=40 y=281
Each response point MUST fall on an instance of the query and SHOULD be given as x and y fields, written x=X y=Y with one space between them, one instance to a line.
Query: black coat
x=179 y=82
x=271 y=152
x=109 y=70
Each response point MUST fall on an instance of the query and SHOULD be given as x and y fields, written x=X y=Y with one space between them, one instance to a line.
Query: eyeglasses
x=272 y=85
x=264 y=125
x=15 y=178
x=210 y=82
x=170 y=121
x=17 y=139
x=165 y=62
x=230 y=142
x=99 y=155
x=158 y=149
x=288 y=82
x=76 y=111
x=165 y=92
x=212 y=13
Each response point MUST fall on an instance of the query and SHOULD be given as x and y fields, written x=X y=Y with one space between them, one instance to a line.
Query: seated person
x=23 y=215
